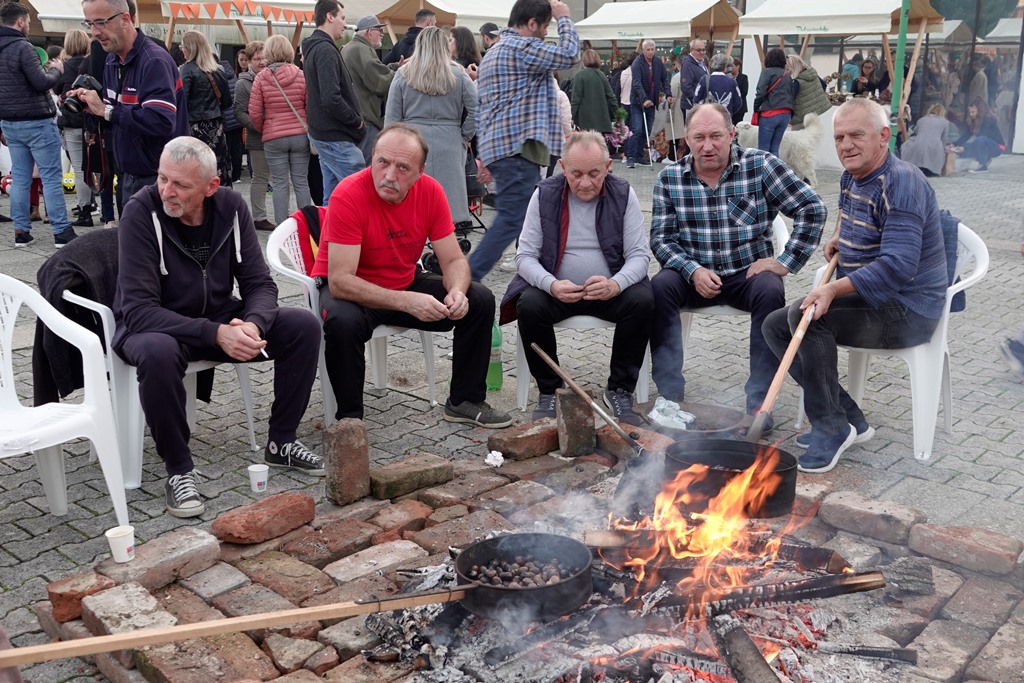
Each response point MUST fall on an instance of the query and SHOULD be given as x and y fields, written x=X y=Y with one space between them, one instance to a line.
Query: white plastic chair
x=929 y=362
x=576 y=322
x=41 y=430
x=285 y=239
x=780 y=237
x=124 y=391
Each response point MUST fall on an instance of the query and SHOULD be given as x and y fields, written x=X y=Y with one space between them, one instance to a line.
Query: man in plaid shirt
x=517 y=118
x=711 y=231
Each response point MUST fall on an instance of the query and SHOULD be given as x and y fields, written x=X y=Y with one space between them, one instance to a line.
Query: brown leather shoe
x=34 y=215
x=265 y=225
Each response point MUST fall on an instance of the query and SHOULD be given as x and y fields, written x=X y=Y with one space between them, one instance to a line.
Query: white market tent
x=659 y=19
x=469 y=13
x=1007 y=30
x=953 y=31
x=807 y=17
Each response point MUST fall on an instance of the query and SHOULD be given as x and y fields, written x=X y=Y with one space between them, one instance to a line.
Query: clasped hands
x=596 y=288
x=428 y=309
x=240 y=340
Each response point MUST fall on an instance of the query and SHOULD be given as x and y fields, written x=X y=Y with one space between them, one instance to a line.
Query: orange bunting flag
x=211 y=9
x=239 y=6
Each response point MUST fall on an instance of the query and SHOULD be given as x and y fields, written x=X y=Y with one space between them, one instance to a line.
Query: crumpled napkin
x=494 y=459
x=668 y=414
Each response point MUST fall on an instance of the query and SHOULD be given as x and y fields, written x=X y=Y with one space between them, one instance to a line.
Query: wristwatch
x=108 y=110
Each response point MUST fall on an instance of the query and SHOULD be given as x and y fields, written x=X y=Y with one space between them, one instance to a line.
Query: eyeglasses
x=697 y=49
x=100 y=23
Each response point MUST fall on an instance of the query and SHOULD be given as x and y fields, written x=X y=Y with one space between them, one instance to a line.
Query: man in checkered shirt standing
x=711 y=231
x=517 y=118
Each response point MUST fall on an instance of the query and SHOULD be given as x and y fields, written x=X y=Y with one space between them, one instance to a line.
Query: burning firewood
x=739 y=651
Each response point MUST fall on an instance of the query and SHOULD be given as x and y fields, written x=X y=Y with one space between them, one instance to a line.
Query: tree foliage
x=991 y=12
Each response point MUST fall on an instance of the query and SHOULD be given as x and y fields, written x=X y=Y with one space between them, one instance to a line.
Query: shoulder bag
x=754 y=118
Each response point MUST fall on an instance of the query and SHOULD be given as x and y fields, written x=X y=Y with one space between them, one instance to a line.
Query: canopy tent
x=469 y=13
x=806 y=17
x=953 y=31
x=1006 y=31
x=659 y=19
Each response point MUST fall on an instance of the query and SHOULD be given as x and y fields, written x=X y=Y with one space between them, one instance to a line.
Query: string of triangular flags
x=222 y=10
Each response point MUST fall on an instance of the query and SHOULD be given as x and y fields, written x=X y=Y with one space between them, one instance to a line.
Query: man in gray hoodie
x=333 y=114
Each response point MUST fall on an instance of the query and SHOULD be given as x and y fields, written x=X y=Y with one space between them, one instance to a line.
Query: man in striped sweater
x=890 y=284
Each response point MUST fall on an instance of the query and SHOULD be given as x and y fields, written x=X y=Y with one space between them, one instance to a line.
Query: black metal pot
x=727 y=459
x=527 y=604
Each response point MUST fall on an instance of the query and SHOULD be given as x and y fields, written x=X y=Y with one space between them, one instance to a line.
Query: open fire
x=693 y=590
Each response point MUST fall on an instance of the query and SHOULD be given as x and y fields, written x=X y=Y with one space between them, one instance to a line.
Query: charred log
x=899 y=654
x=542 y=634
x=739 y=652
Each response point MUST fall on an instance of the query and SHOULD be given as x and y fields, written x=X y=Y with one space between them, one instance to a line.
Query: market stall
x=661 y=19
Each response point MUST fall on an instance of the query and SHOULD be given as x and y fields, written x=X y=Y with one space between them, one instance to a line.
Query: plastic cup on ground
x=258 y=478
x=122 y=543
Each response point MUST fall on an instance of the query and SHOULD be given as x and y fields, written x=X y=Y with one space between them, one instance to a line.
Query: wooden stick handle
x=159 y=636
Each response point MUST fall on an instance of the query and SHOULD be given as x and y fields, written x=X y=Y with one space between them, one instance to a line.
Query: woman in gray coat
x=933 y=136
x=435 y=95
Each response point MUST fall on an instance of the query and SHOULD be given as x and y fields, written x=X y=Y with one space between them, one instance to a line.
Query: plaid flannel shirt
x=727 y=228
x=517 y=92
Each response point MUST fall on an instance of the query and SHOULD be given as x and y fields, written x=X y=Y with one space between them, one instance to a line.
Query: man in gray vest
x=583 y=251
x=371 y=78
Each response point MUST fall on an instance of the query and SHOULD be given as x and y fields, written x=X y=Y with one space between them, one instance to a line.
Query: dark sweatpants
x=760 y=295
x=348 y=326
x=293 y=343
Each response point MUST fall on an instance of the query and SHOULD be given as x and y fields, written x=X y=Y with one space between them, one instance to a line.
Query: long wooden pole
x=159 y=636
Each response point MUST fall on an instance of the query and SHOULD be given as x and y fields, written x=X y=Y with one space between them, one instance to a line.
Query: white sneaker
x=110 y=225
x=508 y=266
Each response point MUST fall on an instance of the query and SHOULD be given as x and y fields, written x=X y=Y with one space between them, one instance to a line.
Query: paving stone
x=898 y=625
x=293 y=579
x=884 y=520
x=580 y=476
x=66 y=594
x=362 y=510
x=574 y=419
x=233 y=553
x=165 y=558
x=323 y=661
x=417 y=471
x=289 y=654
x=218 y=579
x=1002 y=659
x=945 y=648
x=320 y=547
x=809 y=496
x=528 y=440
x=446 y=514
x=609 y=441
x=373 y=559
x=265 y=519
x=860 y=556
x=979 y=550
x=946 y=584
x=256 y=599
x=346 y=451
x=512 y=497
x=459 y=532
x=349 y=638
x=461 y=489
x=358 y=670
x=186 y=606
x=44 y=614
x=122 y=609
x=983 y=602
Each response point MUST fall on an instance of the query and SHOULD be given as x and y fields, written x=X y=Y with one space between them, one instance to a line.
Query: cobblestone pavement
x=975 y=475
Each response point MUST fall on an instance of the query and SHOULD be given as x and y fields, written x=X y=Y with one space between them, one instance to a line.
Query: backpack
x=309 y=219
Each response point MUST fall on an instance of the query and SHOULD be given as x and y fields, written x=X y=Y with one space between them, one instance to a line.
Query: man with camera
x=141 y=97
x=27 y=119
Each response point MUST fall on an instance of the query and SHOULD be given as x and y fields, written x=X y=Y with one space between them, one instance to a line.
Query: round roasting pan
x=523 y=605
x=727 y=459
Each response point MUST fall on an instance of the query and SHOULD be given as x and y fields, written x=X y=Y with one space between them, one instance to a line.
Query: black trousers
x=348 y=326
x=235 y=151
x=293 y=344
x=632 y=311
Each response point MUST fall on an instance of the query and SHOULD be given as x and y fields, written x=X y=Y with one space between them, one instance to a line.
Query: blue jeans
x=338 y=160
x=849 y=321
x=770 y=130
x=36 y=142
x=638 y=141
x=982 y=148
x=515 y=178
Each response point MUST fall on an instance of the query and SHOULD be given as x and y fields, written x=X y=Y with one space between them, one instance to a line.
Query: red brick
x=809 y=496
x=115 y=672
x=265 y=519
x=362 y=510
x=408 y=515
x=510 y=498
x=255 y=599
x=301 y=676
x=980 y=550
x=166 y=558
x=898 y=625
x=983 y=602
x=945 y=648
x=603 y=459
x=203 y=660
x=289 y=654
x=293 y=579
x=243 y=655
x=460 y=532
x=1002 y=659
x=66 y=594
x=378 y=558
x=320 y=547
x=322 y=661
x=417 y=471
x=445 y=514
x=882 y=520
x=552 y=508
x=185 y=605
x=528 y=440
x=580 y=476
x=346 y=461
x=358 y=670
x=233 y=553
x=609 y=441
x=122 y=609
x=574 y=420
x=531 y=469
x=370 y=587
x=461 y=489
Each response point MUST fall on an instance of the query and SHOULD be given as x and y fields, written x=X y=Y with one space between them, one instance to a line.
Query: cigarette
x=264 y=352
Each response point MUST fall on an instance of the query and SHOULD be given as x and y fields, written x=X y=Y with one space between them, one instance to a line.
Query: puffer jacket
x=230 y=120
x=243 y=93
x=268 y=108
x=24 y=84
x=810 y=98
x=203 y=103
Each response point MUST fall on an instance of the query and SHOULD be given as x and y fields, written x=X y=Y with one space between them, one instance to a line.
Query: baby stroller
x=476 y=192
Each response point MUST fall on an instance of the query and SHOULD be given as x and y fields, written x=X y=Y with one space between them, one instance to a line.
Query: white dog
x=798 y=147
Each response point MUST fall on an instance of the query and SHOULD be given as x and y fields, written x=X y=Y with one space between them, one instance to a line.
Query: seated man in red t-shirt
x=378 y=221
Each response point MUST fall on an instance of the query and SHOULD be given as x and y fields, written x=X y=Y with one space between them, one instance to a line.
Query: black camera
x=74 y=105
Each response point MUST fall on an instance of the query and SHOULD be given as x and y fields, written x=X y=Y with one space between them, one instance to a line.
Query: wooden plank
x=169 y=40
x=241 y=29
x=297 y=34
x=760 y=49
x=803 y=47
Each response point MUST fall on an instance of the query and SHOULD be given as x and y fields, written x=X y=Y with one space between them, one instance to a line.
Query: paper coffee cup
x=122 y=543
x=258 y=478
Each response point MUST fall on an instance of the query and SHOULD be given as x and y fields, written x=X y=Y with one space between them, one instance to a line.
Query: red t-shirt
x=392 y=236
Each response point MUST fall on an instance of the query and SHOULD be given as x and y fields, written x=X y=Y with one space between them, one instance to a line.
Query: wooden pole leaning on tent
x=297 y=35
x=803 y=47
x=760 y=49
x=732 y=41
x=910 y=76
x=241 y=29
x=270 y=28
x=169 y=40
x=889 y=64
